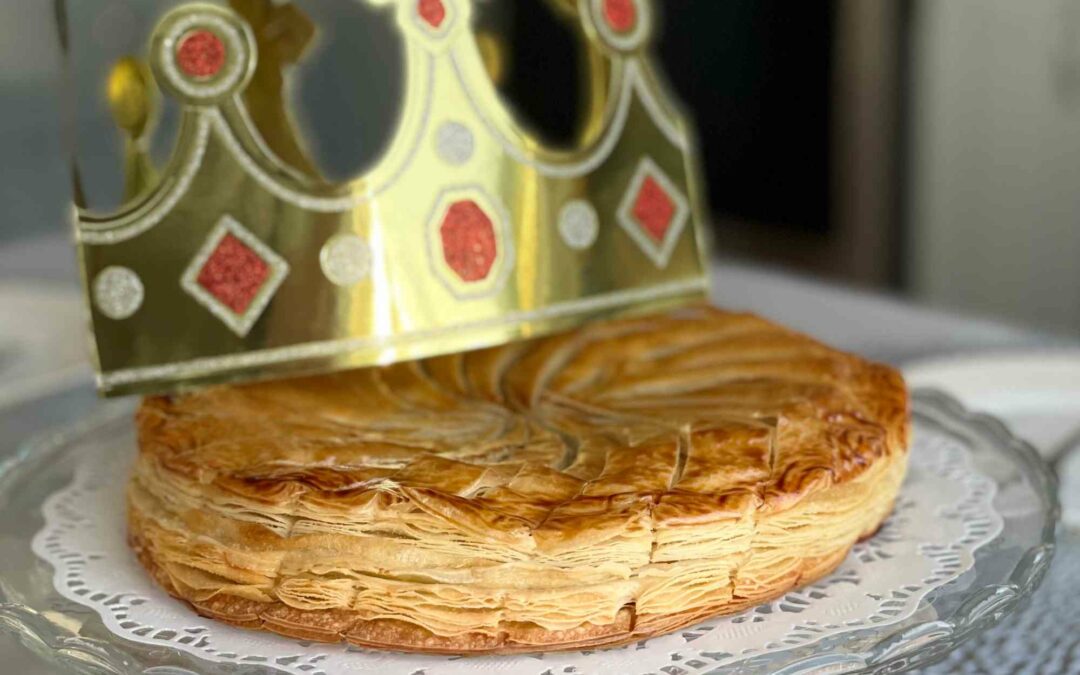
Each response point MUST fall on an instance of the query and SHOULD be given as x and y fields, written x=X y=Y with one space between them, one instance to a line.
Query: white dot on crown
x=578 y=224
x=118 y=292
x=455 y=143
x=345 y=259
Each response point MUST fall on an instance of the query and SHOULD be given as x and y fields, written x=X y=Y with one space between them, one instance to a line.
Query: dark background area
x=799 y=110
x=755 y=75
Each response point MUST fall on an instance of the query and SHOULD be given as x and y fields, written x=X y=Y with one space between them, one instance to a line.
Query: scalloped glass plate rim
x=896 y=649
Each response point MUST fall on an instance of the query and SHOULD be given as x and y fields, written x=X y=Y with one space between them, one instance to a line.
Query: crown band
x=468 y=233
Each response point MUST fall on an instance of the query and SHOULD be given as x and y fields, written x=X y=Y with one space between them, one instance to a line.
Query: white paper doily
x=943 y=515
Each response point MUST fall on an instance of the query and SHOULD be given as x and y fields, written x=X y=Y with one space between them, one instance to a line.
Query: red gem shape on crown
x=654 y=209
x=620 y=15
x=468 y=241
x=233 y=274
x=201 y=54
x=433 y=12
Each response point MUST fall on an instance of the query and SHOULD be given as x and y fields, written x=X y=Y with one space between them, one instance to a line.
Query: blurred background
x=900 y=178
x=925 y=148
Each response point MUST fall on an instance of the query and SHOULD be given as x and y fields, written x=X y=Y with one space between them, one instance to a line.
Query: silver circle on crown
x=455 y=143
x=578 y=224
x=118 y=292
x=345 y=259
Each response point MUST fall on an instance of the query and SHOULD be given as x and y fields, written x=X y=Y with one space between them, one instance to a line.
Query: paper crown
x=467 y=233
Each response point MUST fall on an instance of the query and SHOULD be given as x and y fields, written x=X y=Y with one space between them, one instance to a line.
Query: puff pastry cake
x=587 y=489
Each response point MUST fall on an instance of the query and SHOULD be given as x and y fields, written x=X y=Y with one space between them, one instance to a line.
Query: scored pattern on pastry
x=592 y=488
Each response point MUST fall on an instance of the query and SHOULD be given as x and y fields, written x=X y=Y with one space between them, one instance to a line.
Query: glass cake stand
x=72 y=637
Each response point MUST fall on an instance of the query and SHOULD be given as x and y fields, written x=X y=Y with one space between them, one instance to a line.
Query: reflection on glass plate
x=1005 y=571
x=1037 y=394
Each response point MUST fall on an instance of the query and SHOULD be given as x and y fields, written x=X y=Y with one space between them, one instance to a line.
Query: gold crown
x=234 y=264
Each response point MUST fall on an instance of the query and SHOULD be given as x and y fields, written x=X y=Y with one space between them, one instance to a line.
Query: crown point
x=201 y=54
x=433 y=12
x=621 y=15
x=468 y=240
x=654 y=209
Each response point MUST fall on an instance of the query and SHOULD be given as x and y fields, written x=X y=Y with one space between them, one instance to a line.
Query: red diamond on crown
x=234 y=275
x=654 y=209
x=653 y=212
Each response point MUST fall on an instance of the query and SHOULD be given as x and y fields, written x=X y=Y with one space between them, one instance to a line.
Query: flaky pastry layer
x=613 y=483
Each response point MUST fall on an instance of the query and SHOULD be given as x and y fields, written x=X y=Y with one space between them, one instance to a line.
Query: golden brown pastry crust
x=588 y=489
